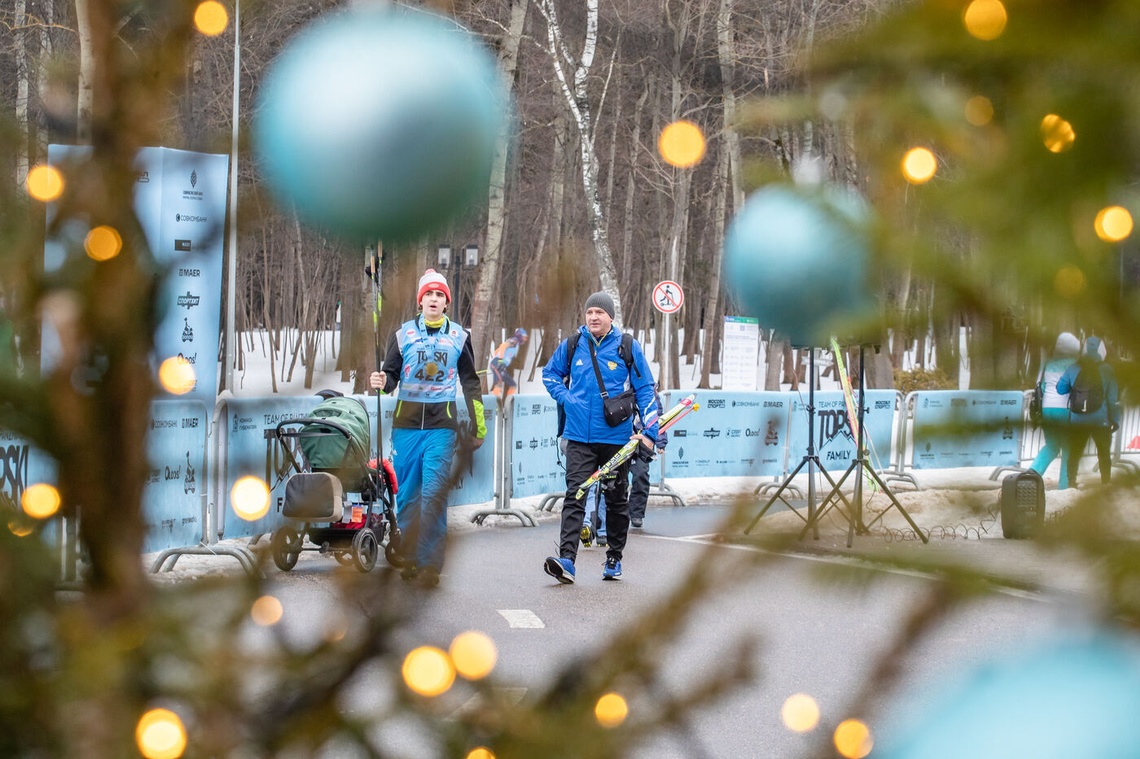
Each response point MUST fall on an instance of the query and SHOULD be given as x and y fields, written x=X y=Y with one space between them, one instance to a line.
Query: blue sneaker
x=612 y=570
x=560 y=569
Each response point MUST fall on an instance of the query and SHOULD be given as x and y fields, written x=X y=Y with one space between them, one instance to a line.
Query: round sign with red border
x=668 y=297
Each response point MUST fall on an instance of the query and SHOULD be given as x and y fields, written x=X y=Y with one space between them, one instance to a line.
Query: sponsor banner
x=536 y=463
x=172 y=497
x=476 y=484
x=180 y=203
x=835 y=437
x=954 y=428
x=730 y=435
x=21 y=465
x=176 y=487
x=190 y=244
x=250 y=448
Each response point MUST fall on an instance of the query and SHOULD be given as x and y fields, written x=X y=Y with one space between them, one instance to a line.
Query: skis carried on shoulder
x=667 y=420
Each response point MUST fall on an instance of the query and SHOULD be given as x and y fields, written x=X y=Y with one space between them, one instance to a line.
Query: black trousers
x=638 y=487
x=582 y=460
x=1079 y=435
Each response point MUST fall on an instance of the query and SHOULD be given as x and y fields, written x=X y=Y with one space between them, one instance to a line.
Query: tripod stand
x=811 y=461
x=858 y=466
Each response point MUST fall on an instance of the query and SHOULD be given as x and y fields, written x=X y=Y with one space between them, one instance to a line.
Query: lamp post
x=446 y=262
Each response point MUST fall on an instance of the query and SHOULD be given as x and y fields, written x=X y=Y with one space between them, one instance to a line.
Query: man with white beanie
x=428 y=358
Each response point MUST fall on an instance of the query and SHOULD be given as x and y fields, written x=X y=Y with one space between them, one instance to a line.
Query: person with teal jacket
x=1055 y=408
x=1101 y=420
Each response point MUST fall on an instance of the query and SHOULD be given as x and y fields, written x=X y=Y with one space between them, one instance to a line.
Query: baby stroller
x=335 y=498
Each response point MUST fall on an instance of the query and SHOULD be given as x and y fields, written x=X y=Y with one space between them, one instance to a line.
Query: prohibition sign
x=668 y=297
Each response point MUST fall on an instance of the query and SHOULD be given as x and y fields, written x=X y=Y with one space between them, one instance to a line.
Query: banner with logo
x=249 y=447
x=731 y=435
x=180 y=202
x=835 y=436
x=174 y=497
x=21 y=465
x=953 y=428
x=536 y=464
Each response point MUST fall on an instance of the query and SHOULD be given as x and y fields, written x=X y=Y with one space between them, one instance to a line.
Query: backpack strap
x=625 y=351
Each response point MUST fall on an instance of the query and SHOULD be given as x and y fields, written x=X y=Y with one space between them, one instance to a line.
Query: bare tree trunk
x=482 y=310
x=86 y=97
x=573 y=77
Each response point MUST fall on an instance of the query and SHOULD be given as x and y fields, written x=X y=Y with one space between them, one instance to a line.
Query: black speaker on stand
x=859 y=466
x=810 y=460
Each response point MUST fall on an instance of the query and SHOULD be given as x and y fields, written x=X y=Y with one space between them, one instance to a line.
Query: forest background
x=579 y=197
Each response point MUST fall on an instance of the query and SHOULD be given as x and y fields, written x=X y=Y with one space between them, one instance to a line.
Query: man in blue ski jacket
x=600 y=353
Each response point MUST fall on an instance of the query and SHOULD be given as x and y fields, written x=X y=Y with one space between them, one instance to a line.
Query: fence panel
x=533 y=456
x=733 y=434
x=966 y=428
x=835 y=437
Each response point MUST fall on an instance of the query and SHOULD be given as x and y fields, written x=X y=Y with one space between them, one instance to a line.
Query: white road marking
x=1031 y=595
x=521 y=618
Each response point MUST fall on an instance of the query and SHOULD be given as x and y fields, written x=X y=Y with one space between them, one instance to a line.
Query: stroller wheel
x=286 y=548
x=365 y=549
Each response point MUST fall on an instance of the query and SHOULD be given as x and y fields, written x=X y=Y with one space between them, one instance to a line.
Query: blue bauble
x=1065 y=699
x=380 y=123
x=797 y=260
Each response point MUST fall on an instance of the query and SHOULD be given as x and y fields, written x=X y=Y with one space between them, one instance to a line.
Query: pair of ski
x=667 y=420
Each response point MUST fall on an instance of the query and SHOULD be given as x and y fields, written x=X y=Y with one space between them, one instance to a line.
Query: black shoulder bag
x=617 y=410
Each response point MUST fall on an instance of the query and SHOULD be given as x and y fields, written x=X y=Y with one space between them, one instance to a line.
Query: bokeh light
x=979 y=110
x=800 y=713
x=40 y=501
x=176 y=375
x=210 y=18
x=103 y=243
x=681 y=144
x=1113 y=224
x=985 y=19
x=1057 y=134
x=160 y=735
x=45 y=183
x=428 y=671
x=1069 y=282
x=611 y=710
x=249 y=498
x=267 y=611
x=853 y=739
x=21 y=528
x=474 y=654
x=919 y=165
x=482 y=752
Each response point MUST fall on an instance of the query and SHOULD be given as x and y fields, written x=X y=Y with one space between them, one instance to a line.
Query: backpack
x=1087 y=392
x=625 y=351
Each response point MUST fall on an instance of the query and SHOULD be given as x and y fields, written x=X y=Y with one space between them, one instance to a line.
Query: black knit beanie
x=601 y=300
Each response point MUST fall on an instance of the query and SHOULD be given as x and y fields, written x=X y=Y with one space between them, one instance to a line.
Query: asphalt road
x=820 y=623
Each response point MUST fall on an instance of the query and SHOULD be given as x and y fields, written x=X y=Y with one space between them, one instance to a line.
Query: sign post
x=668 y=297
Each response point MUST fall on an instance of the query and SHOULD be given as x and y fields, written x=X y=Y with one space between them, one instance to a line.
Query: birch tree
x=482 y=310
x=573 y=76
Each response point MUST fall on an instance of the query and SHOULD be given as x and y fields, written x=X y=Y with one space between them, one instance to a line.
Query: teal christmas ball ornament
x=797 y=260
x=380 y=123
x=1057 y=700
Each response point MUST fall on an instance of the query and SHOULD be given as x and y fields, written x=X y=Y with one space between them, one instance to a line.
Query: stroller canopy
x=332 y=450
